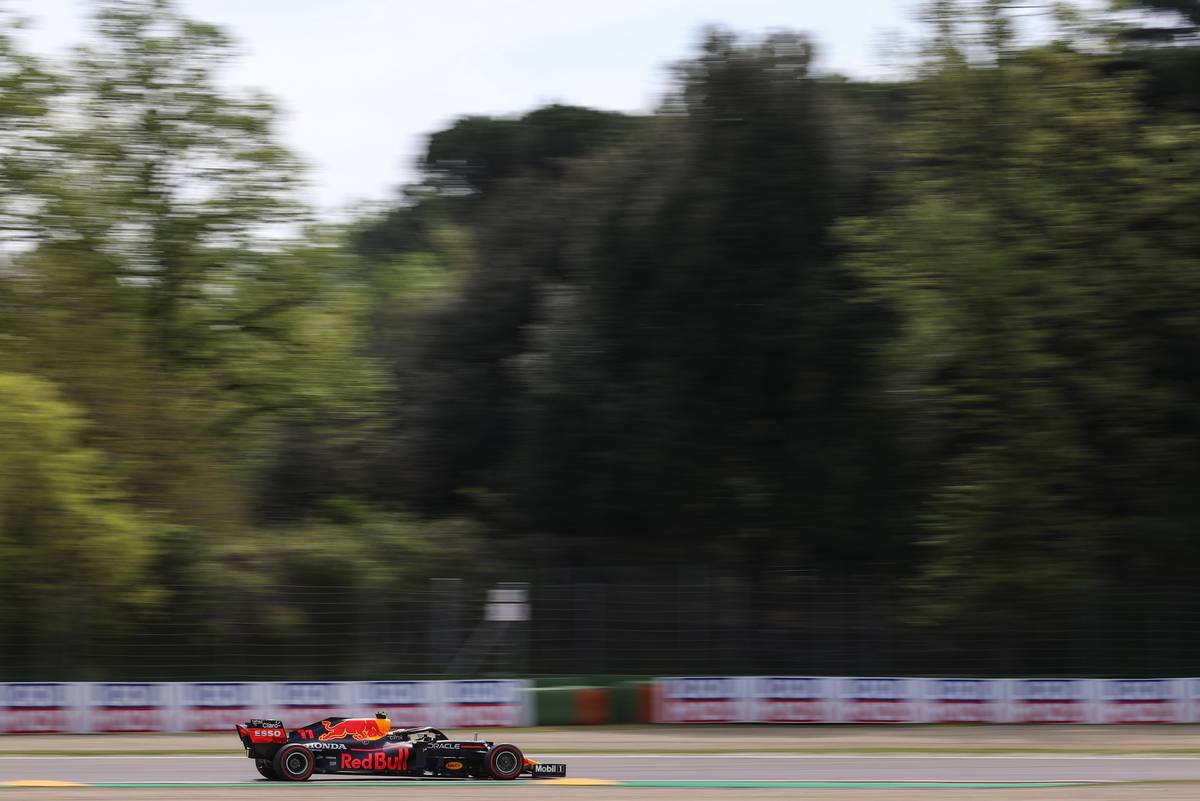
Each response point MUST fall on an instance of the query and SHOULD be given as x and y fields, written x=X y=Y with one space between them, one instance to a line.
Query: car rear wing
x=262 y=732
x=264 y=723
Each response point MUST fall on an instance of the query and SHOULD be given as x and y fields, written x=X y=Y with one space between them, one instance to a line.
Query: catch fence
x=781 y=623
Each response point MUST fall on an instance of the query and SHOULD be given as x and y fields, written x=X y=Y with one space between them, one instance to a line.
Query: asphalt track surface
x=710 y=770
x=944 y=763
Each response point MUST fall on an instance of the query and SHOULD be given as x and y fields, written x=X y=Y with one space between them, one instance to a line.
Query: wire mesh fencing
x=782 y=623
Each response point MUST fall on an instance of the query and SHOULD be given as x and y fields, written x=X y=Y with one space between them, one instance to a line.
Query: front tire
x=505 y=762
x=293 y=763
x=266 y=769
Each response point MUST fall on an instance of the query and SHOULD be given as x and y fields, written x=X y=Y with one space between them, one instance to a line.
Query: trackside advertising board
x=703 y=699
x=484 y=702
x=793 y=699
x=217 y=705
x=40 y=707
x=408 y=703
x=964 y=700
x=298 y=703
x=815 y=699
x=1141 y=701
x=880 y=700
x=1052 y=700
x=129 y=707
x=65 y=707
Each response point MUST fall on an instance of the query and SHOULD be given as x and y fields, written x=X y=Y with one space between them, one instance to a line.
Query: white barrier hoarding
x=1051 y=700
x=880 y=700
x=31 y=707
x=299 y=703
x=129 y=707
x=793 y=699
x=964 y=700
x=1141 y=701
x=702 y=699
x=815 y=699
x=52 y=707
x=218 y=705
x=471 y=703
x=40 y=707
x=408 y=703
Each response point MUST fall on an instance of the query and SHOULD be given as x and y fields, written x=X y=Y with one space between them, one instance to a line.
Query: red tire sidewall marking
x=501 y=749
x=283 y=758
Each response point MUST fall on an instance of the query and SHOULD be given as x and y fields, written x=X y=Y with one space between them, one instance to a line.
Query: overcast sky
x=362 y=82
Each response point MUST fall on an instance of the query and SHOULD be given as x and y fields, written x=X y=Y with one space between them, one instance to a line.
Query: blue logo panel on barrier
x=483 y=702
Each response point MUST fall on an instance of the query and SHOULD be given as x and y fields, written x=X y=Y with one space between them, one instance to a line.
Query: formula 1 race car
x=371 y=746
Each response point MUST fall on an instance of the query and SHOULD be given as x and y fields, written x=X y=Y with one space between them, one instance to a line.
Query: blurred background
x=888 y=372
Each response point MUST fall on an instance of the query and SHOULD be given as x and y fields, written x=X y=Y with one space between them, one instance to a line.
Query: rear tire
x=505 y=762
x=266 y=769
x=293 y=763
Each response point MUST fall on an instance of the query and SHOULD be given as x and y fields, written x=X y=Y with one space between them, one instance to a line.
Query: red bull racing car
x=371 y=746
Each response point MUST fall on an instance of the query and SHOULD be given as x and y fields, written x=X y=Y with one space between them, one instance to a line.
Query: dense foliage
x=943 y=332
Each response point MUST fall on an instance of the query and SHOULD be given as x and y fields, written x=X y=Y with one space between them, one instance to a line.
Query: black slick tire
x=505 y=761
x=266 y=769
x=293 y=763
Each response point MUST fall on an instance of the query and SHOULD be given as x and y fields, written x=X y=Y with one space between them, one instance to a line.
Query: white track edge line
x=716 y=755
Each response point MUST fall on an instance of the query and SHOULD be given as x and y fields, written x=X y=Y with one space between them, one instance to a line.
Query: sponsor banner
x=1141 y=701
x=1191 y=699
x=218 y=705
x=31 y=707
x=299 y=703
x=793 y=699
x=130 y=707
x=40 y=707
x=1191 y=695
x=880 y=700
x=408 y=703
x=702 y=699
x=471 y=703
x=1051 y=700
x=964 y=700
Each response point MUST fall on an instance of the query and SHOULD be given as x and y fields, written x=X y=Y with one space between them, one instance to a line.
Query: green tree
x=27 y=90
x=172 y=247
x=478 y=154
x=68 y=538
x=657 y=350
x=182 y=182
x=1040 y=255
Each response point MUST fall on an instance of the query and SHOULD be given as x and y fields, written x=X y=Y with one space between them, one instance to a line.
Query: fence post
x=445 y=622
